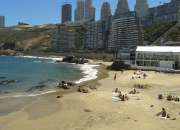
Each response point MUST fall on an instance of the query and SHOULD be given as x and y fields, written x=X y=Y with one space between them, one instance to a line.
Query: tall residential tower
x=79 y=12
x=105 y=11
x=142 y=8
x=89 y=10
x=2 y=21
x=66 y=13
x=122 y=8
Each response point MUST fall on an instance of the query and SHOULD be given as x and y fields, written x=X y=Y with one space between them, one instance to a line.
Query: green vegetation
x=174 y=35
x=152 y=33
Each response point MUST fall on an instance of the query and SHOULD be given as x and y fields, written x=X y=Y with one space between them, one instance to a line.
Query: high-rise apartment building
x=79 y=12
x=66 y=13
x=2 y=21
x=89 y=10
x=105 y=11
x=142 y=8
x=122 y=7
x=94 y=35
x=126 y=33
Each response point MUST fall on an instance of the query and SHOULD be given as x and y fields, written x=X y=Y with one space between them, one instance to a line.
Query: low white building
x=158 y=57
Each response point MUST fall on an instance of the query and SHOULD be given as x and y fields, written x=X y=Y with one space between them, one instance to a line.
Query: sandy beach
x=96 y=110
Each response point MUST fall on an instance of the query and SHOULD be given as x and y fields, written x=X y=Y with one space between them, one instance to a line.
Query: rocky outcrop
x=83 y=89
x=6 y=82
x=8 y=52
x=73 y=59
x=66 y=85
x=118 y=65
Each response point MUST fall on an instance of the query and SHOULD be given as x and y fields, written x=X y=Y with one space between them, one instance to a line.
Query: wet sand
x=97 y=111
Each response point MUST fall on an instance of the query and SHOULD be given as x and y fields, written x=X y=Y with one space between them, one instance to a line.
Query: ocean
x=31 y=76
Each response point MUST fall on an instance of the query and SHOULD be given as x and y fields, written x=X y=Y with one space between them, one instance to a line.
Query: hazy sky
x=48 y=11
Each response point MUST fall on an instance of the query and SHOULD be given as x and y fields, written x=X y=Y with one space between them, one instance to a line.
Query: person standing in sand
x=115 y=76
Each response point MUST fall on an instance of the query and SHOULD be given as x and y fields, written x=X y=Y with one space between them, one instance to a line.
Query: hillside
x=154 y=34
x=27 y=38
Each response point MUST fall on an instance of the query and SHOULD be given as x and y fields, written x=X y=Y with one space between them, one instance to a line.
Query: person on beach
x=144 y=75
x=116 y=93
x=163 y=114
x=115 y=76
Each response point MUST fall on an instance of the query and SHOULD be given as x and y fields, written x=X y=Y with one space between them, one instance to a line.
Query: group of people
x=118 y=94
x=139 y=74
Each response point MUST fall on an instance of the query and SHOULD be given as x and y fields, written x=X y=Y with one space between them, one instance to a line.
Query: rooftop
x=158 y=49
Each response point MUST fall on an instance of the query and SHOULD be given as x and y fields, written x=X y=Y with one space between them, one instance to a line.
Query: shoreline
x=96 y=110
x=24 y=100
x=89 y=71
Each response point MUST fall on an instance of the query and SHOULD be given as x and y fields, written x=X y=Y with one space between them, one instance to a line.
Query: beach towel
x=115 y=99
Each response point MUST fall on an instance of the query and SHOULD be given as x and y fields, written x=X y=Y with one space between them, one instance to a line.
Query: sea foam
x=53 y=58
x=90 y=72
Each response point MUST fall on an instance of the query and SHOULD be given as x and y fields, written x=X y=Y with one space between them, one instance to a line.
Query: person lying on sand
x=133 y=92
x=124 y=97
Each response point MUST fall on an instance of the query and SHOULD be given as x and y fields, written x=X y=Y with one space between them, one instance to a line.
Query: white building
x=158 y=57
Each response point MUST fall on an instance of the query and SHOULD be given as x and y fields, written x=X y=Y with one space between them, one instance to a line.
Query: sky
x=37 y=12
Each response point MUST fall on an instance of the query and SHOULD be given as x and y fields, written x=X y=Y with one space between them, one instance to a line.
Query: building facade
x=94 y=35
x=158 y=57
x=142 y=8
x=105 y=11
x=66 y=13
x=126 y=35
x=89 y=10
x=166 y=13
x=122 y=7
x=2 y=21
x=65 y=39
x=79 y=11
x=126 y=32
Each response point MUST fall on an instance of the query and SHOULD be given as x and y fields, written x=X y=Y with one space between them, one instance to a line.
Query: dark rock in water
x=6 y=92
x=38 y=87
x=3 y=77
x=66 y=85
x=6 y=82
x=47 y=81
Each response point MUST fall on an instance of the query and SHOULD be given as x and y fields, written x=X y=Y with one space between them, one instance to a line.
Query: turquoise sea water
x=34 y=75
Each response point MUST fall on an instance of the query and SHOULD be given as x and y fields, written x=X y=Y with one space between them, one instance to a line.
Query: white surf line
x=90 y=72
